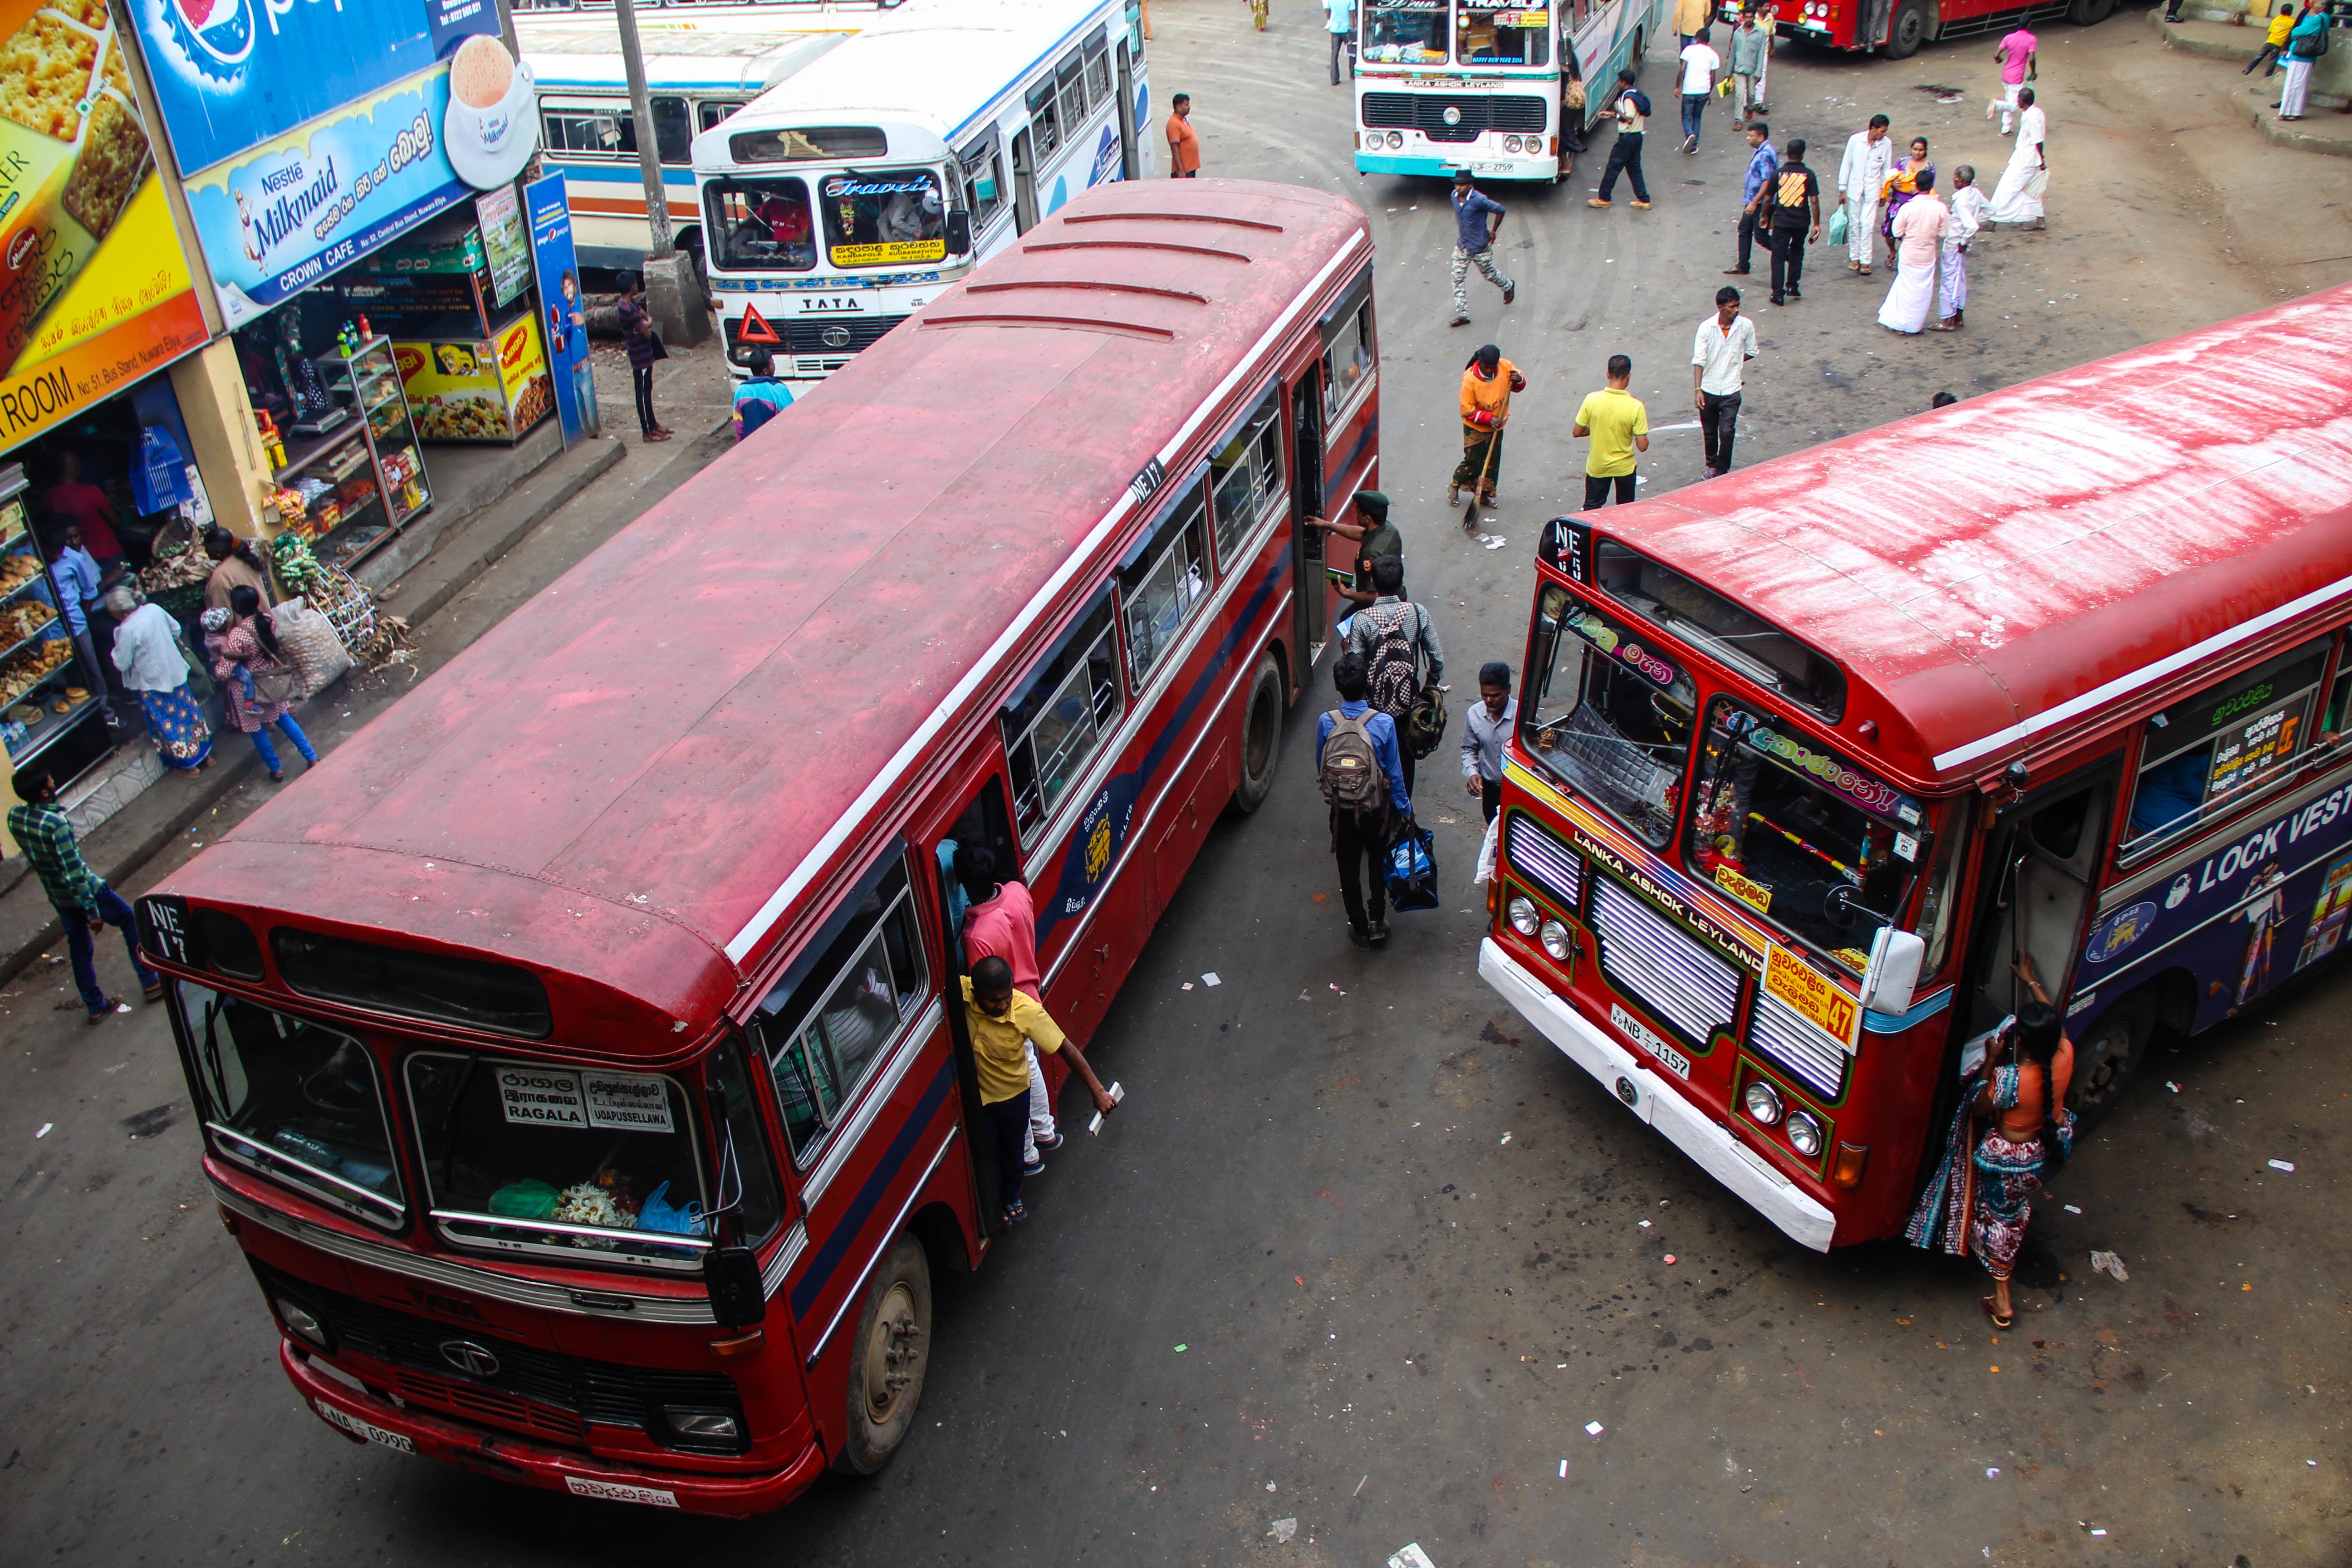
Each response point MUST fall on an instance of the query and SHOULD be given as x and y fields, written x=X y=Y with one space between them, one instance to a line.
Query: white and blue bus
x=1443 y=85
x=839 y=203
x=703 y=62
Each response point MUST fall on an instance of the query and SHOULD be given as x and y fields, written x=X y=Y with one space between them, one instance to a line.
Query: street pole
x=641 y=107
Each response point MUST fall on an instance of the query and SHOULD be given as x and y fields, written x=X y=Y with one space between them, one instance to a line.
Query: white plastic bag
x=319 y=656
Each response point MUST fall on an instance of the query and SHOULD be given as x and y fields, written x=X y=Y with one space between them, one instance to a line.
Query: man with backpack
x=1358 y=766
x=1394 y=637
x=760 y=397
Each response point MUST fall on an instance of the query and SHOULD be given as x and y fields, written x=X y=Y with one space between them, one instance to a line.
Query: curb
x=2295 y=136
x=531 y=502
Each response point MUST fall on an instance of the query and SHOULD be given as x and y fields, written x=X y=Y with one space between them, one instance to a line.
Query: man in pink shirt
x=1002 y=922
x=2017 y=68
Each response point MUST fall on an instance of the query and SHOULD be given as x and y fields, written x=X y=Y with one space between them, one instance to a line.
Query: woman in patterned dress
x=154 y=664
x=2003 y=1137
x=242 y=646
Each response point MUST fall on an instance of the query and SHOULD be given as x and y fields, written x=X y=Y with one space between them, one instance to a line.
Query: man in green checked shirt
x=83 y=901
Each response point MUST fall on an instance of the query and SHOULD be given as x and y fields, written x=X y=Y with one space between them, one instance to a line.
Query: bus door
x=1025 y=181
x=1311 y=612
x=2035 y=890
x=1130 y=157
x=983 y=824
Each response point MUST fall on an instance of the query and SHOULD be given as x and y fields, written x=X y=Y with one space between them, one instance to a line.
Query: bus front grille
x=812 y=345
x=1425 y=112
x=1797 y=1047
x=1538 y=854
x=1648 y=957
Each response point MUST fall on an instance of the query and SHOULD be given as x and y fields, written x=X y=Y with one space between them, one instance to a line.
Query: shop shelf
x=26 y=586
x=399 y=514
x=46 y=627
x=319 y=447
x=49 y=726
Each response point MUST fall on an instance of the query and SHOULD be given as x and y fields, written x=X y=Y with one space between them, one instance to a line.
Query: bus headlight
x=1396 y=138
x=702 y=1425
x=1524 y=918
x=1555 y=942
x=1763 y=1102
x=302 y=1324
x=1510 y=143
x=1804 y=1130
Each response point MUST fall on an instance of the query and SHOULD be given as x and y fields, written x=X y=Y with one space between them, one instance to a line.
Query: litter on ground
x=2108 y=1263
x=2286 y=1165
x=1284 y=1529
x=1211 y=979
x=1593 y=1428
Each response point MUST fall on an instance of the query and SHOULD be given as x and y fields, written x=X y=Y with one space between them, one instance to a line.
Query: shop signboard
x=505 y=240
x=231 y=75
x=469 y=389
x=95 y=289
x=566 y=313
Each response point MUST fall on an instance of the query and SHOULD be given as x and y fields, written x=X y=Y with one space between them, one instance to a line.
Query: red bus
x=1809 y=757
x=1896 y=28
x=574 y=1049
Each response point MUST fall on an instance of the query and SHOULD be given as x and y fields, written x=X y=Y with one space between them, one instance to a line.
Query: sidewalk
x=2329 y=127
x=181 y=813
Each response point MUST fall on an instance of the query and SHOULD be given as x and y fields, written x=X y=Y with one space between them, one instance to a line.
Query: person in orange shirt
x=1184 y=141
x=1488 y=383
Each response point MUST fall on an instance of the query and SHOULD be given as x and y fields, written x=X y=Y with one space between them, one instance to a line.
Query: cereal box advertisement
x=475 y=390
x=95 y=290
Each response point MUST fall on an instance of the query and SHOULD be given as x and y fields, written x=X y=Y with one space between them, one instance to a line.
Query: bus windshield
x=581 y=1164
x=1716 y=626
x=1607 y=716
x=1801 y=836
x=1406 y=32
x=760 y=226
x=883 y=217
x=1491 y=33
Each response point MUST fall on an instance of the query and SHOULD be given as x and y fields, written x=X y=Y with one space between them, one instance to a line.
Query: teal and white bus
x=1443 y=85
x=839 y=203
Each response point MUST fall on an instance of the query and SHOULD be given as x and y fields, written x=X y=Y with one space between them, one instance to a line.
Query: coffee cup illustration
x=492 y=126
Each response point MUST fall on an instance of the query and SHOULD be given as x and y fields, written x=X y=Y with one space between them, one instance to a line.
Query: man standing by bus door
x=1184 y=141
x=1373 y=536
x=1003 y=1024
x=1001 y=921
x=1340 y=18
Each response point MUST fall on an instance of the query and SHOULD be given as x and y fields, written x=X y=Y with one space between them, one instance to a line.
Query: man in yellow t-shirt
x=1620 y=427
x=1002 y=1023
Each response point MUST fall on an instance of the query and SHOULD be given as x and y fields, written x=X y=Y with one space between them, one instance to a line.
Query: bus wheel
x=1908 y=30
x=2105 y=1058
x=1261 y=737
x=889 y=1355
x=2090 y=13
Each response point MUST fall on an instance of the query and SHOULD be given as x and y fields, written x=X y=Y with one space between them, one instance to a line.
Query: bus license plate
x=367 y=1429
x=1490 y=168
x=1646 y=1037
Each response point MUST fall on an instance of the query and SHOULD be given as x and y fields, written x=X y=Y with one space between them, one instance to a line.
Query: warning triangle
x=754 y=328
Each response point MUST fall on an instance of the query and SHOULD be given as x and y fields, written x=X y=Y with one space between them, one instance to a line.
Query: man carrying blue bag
x=1362 y=774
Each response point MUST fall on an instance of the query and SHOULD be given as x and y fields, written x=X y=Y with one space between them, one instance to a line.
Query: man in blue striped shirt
x=1763 y=163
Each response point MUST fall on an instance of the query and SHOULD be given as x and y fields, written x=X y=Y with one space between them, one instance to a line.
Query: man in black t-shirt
x=1796 y=210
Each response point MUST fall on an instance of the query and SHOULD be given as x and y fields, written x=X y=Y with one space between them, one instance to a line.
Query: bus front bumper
x=1441 y=166
x=363 y=1417
x=1654 y=1101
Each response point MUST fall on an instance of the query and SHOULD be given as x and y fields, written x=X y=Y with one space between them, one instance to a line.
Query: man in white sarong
x=1862 y=180
x=1952 y=267
x=2018 y=197
x=1918 y=239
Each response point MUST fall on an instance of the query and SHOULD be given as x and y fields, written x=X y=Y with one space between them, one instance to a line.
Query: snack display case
x=47 y=693
x=350 y=489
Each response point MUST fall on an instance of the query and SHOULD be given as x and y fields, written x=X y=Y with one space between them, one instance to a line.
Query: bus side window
x=1045 y=118
x=581 y=129
x=2207 y=753
x=1248 y=476
x=1935 y=927
x=983 y=181
x=1060 y=715
x=1349 y=360
x=826 y=1023
x=2331 y=721
x=673 y=130
x=1070 y=87
x=1098 y=66
x=1161 y=579
x=710 y=112
x=750 y=1180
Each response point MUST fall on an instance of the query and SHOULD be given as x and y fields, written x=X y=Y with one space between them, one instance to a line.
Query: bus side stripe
x=887 y=782
x=870 y=1194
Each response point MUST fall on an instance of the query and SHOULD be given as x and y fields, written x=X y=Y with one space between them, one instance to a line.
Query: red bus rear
x=578 y=1050
x=1896 y=28
x=1812 y=760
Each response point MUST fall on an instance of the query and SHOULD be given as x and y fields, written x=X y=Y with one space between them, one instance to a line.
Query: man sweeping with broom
x=1488 y=383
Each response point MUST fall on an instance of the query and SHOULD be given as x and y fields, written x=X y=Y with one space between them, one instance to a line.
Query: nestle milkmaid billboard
x=309 y=133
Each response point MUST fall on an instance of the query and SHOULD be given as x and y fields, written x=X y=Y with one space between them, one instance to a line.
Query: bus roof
x=1998 y=570
x=570 y=56
x=659 y=773
x=934 y=64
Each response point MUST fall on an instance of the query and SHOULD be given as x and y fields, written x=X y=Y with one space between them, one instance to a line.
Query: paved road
x=1305 y=1276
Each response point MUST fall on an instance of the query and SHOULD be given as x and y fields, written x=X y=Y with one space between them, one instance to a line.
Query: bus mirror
x=1894 y=972
x=959 y=231
x=737 y=1299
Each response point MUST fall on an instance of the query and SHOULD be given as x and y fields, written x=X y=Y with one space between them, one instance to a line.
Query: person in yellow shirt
x=1002 y=1023
x=2281 y=26
x=1691 y=19
x=1619 y=427
x=1488 y=383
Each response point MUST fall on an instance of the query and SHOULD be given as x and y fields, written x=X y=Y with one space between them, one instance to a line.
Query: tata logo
x=215 y=35
x=469 y=1358
x=834 y=337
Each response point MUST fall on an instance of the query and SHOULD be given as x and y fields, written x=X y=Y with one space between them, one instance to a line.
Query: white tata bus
x=1443 y=85
x=703 y=62
x=839 y=203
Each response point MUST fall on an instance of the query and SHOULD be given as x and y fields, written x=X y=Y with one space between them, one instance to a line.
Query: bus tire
x=2106 y=1059
x=2090 y=13
x=1908 y=29
x=1261 y=737
x=888 y=1358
